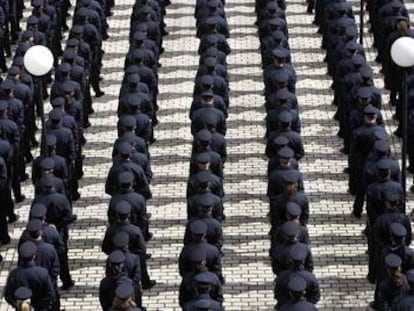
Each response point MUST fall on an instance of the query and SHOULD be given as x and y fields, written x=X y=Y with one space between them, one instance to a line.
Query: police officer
x=297 y=292
x=298 y=255
x=124 y=298
x=37 y=278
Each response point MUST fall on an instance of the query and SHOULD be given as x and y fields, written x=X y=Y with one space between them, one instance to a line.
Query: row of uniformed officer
x=43 y=245
x=296 y=287
x=129 y=178
x=374 y=172
x=200 y=260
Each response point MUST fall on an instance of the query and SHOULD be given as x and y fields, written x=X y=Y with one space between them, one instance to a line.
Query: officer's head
x=198 y=230
x=27 y=251
x=293 y=212
x=204 y=138
x=281 y=80
x=34 y=227
x=23 y=295
x=291 y=180
x=279 y=57
x=50 y=143
x=384 y=168
x=203 y=283
x=38 y=211
x=370 y=114
x=393 y=266
x=207 y=206
x=285 y=120
x=76 y=31
x=124 y=294
x=392 y=199
x=32 y=23
x=198 y=258
x=204 y=182
x=402 y=24
x=364 y=97
x=47 y=165
x=121 y=240
x=48 y=183
x=125 y=180
x=290 y=231
x=382 y=148
x=115 y=263
x=207 y=97
x=285 y=155
x=123 y=210
x=203 y=161
x=298 y=254
x=297 y=288
x=206 y=82
x=397 y=234
x=125 y=150
x=279 y=142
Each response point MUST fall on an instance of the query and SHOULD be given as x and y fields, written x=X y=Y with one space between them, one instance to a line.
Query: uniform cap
x=69 y=54
x=116 y=257
x=38 y=210
x=393 y=261
x=202 y=304
x=384 y=164
x=18 y=60
x=125 y=148
x=203 y=278
x=125 y=178
x=198 y=255
x=212 y=20
x=285 y=117
x=351 y=31
x=364 y=93
x=298 y=252
x=58 y=102
x=82 y=12
x=64 y=68
x=139 y=35
x=123 y=208
x=401 y=18
x=290 y=228
x=279 y=53
x=207 y=80
x=22 y=293
x=392 y=196
x=47 y=163
x=366 y=72
x=121 y=239
x=204 y=135
x=72 y=42
x=3 y=105
x=203 y=158
x=7 y=85
x=13 y=70
x=382 y=145
x=48 y=181
x=34 y=225
x=276 y=21
x=27 y=250
x=283 y=94
x=293 y=209
x=50 y=140
x=370 y=109
x=124 y=291
x=297 y=284
x=32 y=20
x=207 y=94
x=398 y=229
x=358 y=60
x=210 y=61
x=277 y=34
x=285 y=153
x=55 y=114
x=77 y=29
x=207 y=202
x=281 y=141
x=138 y=54
x=133 y=79
x=211 y=39
x=292 y=177
x=26 y=35
x=198 y=227
x=127 y=121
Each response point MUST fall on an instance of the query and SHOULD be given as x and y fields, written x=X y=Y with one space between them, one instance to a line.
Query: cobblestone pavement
x=337 y=242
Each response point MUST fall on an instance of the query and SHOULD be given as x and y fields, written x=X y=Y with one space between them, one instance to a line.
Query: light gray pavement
x=337 y=243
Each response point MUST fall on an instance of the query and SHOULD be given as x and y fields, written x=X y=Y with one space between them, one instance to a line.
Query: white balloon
x=402 y=52
x=38 y=60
